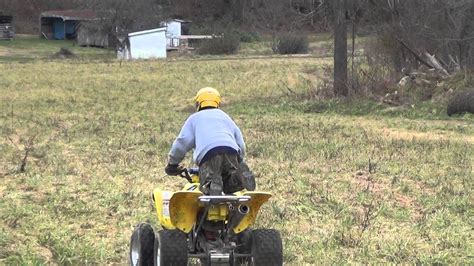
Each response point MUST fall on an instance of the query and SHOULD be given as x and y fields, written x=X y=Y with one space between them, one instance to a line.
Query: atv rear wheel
x=141 y=245
x=267 y=248
x=244 y=246
x=171 y=248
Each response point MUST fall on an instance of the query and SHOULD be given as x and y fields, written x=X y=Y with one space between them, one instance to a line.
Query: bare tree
x=424 y=30
x=26 y=12
x=129 y=15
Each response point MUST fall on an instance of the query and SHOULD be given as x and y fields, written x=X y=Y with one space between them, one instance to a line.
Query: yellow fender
x=162 y=205
x=184 y=207
x=256 y=201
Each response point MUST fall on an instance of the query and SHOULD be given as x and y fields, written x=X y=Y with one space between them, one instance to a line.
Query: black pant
x=223 y=173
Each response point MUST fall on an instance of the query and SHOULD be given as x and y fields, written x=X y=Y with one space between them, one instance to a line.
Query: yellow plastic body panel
x=162 y=203
x=184 y=206
x=191 y=187
x=256 y=201
x=178 y=210
x=218 y=212
x=195 y=179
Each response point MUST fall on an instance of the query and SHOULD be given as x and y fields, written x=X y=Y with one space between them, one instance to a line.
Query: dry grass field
x=352 y=181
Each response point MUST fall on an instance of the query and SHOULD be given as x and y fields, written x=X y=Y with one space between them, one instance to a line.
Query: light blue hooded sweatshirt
x=203 y=131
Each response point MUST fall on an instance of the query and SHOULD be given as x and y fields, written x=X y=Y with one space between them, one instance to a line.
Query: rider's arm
x=182 y=144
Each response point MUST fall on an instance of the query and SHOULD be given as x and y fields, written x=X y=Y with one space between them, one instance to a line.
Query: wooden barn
x=83 y=26
x=6 y=27
x=94 y=34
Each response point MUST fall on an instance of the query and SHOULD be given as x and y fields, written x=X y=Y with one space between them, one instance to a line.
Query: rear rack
x=218 y=199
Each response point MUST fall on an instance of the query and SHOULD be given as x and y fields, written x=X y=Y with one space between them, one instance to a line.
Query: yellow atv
x=212 y=229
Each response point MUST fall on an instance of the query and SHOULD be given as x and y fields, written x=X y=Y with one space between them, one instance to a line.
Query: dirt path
x=388 y=131
x=409 y=135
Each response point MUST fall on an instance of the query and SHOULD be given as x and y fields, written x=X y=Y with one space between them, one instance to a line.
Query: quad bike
x=212 y=229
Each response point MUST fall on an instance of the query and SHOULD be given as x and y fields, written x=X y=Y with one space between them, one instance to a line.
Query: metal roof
x=176 y=20
x=71 y=14
x=132 y=34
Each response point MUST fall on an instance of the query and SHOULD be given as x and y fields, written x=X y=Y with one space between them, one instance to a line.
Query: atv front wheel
x=171 y=248
x=267 y=248
x=141 y=245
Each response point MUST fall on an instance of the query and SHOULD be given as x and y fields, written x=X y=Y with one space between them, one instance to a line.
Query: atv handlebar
x=193 y=171
x=188 y=172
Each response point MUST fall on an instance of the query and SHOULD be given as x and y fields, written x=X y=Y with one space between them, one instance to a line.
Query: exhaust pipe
x=237 y=216
x=243 y=209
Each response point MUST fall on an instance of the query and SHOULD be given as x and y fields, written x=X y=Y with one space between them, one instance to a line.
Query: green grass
x=26 y=48
x=353 y=182
x=319 y=44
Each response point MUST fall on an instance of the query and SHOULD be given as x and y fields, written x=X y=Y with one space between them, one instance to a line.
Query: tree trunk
x=340 y=49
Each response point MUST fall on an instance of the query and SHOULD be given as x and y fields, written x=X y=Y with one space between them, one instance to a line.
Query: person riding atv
x=210 y=219
x=218 y=145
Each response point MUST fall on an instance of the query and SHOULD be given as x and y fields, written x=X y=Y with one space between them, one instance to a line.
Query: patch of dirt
x=15 y=139
x=408 y=202
x=3 y=173
x=2 y=191
x=404 y=134
x=292 y=80
x=305 y=227
x=4 y=52
x=410 y=135
x=365 y=181
x=383 y=191
x=45 y=253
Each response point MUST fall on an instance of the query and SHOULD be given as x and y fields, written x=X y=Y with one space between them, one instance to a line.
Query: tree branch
x=414 y=53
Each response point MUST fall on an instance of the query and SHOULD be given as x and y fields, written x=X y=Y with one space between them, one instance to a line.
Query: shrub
x=225 y=44
x=64 y=53
x=249 y=37
x=374 y=73
x=290 y=44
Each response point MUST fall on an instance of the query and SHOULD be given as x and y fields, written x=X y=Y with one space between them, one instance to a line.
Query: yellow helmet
x=207 y=97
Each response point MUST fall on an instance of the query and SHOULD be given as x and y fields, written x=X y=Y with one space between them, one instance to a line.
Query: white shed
x=144 y=45
x=174 y=29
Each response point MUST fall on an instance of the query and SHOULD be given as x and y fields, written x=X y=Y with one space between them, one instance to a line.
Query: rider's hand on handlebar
x=174 y=169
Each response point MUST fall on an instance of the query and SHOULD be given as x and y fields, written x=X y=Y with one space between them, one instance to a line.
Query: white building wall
x=173 y=32
x=148 y=44
x=174 y=28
